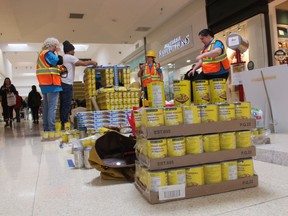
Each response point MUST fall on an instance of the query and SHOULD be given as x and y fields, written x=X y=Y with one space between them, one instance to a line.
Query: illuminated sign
x=174 y=45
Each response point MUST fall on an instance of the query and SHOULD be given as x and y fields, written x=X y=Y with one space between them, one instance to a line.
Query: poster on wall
x=236 y=70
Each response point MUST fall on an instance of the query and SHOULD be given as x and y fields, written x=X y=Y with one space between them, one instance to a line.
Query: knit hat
x=67 y=46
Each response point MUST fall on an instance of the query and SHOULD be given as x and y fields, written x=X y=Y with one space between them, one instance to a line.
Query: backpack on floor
x=114 y=156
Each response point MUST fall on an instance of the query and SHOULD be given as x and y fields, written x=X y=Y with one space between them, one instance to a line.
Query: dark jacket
x=3 y=92
x=34 y=99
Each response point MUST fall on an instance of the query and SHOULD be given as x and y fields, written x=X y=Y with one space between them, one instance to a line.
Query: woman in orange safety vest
x=150 y=72
x=48 y=75
x=213 y=58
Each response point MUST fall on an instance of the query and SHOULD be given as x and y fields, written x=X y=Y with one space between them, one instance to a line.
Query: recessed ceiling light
x=17 y=45
x=188 y=60
x=81 y=47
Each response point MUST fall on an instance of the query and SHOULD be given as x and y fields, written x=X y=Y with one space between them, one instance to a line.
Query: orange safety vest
x=213 y=65
x=46 y=74
x=151 y=75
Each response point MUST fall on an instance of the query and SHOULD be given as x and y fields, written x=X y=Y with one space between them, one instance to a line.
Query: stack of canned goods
x=195 y=175
x=179 y=146
x=168 y=116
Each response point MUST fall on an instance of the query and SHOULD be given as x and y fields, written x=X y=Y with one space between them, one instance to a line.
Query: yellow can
x=176 y=176
x=218 y=90
x=58 y=126
x=191 y=114
x=229 y=170
x=201 y=92
x=51 y=135
x=195 y=176
x=157 y=148
x=156 y=179
x=173 y=116
x=194 y=144
x=242 y=110
x=211 y=143
x=58 y=134
x=176 y=146
x=226 y=112
x=156 y=94
x=245 y=168
x=212 y=173
x=254 y=132
x=243 y=139
x=44 y=135
x=67 y=126
x=227 y=141
x=209 y=113
x=261 y=131
x=152 y=117
x=137 y=118
x=182 y=92
x=65 y=138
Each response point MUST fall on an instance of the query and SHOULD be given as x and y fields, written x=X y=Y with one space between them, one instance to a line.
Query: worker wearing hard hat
x=213 y=58
x=150 y=72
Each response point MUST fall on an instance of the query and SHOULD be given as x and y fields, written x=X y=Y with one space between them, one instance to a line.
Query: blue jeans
x=65 y=102
x=50 y=101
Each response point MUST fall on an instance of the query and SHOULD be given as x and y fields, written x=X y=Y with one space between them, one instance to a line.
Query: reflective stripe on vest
x=46 y=74
x=213 y=65
x=150 y=75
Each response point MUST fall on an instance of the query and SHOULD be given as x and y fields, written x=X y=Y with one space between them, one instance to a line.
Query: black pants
x=35 y=113
x=7 y=112
x=17 y=111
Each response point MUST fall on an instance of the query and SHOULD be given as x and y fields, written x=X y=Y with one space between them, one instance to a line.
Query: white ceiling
x=104 y=22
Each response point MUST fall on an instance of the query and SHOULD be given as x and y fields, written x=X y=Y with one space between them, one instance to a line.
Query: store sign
x=174 y=45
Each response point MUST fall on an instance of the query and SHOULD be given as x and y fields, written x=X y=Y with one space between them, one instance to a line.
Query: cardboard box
x=191 y=192
x=196 y=159
x=195 y=129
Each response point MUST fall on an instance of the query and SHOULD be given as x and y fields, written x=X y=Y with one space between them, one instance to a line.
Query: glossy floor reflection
x=35 y=179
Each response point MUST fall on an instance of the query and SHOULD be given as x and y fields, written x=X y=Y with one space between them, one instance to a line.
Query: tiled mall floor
x=35 y=179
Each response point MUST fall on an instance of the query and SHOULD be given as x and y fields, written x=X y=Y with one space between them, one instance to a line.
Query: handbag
x=114 y=156
x=11 y=99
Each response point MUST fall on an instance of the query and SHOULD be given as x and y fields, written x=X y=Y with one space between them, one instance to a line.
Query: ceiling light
x=188 y=60
x=28 y=74
x=81 y=47
x=18 y=45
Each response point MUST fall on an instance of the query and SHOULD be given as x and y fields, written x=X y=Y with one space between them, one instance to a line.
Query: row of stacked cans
x=90 y=86
x=85 y=120
x=153 y=117
x=111 y=117
x=118 y=100
x=180 y=146
x=209 y=91
x=195 y=175
x=107 y=77
x=96 y=119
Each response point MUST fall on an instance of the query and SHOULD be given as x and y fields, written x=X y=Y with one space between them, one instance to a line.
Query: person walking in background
x=48 y=75
x=34 y=102
x=213 y=58
x=18 y=106
x=69 y=61
x=8 y=92
x=150 y=72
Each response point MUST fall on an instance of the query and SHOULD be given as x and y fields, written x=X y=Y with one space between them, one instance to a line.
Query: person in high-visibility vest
x=48 y=75
x=150 y=72
x=213 y=58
